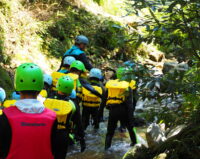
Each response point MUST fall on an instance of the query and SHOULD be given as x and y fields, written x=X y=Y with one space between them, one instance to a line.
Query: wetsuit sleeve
x=76 y=118
x=5 y=136
x=86 y=62
x=103 y=104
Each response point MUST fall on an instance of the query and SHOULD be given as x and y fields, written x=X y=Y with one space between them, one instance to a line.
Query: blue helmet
x=15 y=95
x=68 y=60
x=48 y=79
x=95 y=72
x=2 y=95
x=73 y=94
x=81 y=39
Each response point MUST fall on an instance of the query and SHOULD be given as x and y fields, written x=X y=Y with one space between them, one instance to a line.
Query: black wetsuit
x=76 y=119
x=123 y=113
x=92 y=111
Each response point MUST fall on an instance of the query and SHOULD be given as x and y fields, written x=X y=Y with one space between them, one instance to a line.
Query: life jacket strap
x=115 y=98
x=91 y=102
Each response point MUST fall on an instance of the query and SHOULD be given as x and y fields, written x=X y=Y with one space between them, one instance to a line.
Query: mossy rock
x=6 y=81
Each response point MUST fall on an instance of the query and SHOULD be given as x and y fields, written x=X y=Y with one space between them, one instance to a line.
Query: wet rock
x=169 y=66
x=131 y=153
x=175 y=131
x=155 y=135
x=161 y=156
x=172 y=66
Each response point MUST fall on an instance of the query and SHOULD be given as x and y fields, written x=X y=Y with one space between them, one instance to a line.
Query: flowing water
x=95 y=145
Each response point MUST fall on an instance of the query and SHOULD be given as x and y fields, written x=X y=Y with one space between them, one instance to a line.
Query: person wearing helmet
x=28 y=129
x=78 y=51
x=65 y=66
x=78 y=68
x=2 y=98
x=46 y=91
x=67 y=114
x=119 y=101
x=90 y=101
x=15 y=95
x=2 y=95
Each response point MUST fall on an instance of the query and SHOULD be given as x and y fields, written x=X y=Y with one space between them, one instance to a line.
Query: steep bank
x=41 y=31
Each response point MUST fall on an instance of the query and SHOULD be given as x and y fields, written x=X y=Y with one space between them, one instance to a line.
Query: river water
x=95 y=145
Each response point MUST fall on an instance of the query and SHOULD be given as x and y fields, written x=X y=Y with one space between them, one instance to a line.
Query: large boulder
x=175 y=131
x=155 y=135
x=170 y=67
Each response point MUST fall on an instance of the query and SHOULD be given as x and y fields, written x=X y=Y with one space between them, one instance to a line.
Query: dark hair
x=95 y=79
x=66 y=65
x=77 y=44
x=75 y=70
x=34 y=93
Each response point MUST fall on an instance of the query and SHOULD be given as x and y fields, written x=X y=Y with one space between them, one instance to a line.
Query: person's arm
x=79 y=126
x=5 y=136
x=86 y=62
x=102 y=105
x=53 y=138
x=60 y=141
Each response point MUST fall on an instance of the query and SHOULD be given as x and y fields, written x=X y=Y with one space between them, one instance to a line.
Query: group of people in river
x=47 y=113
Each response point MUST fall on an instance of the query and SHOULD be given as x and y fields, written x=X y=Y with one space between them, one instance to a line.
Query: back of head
x=65 y=85
x=68 y=60
x=95 y=73
x=78 y=65
x=29 y=78
x=47 y=79
x=2 y=95
x=81 y=39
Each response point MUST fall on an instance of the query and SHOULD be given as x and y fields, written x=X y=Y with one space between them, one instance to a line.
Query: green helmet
x=65 y=84
x=78 y=65
x=29 y=77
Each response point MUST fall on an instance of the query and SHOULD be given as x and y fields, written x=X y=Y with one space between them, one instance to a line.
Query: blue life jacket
x=74 y=51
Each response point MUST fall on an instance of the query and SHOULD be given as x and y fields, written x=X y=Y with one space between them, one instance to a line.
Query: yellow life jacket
x=9 y=103
x=75 y=78
x=132 y=84
x=44 y=93
x=55 y=77
x=89 y=99
x=116 y=91
x=61 y=108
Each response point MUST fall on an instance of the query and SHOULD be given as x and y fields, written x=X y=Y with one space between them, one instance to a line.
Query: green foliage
x=5 y=81
x=106 y=36
x=113 y=7
x=173 y=25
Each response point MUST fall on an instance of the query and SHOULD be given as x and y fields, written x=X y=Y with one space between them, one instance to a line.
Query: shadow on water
x=95 y=145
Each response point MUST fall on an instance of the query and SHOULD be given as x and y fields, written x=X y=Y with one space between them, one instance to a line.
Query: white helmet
x=95 y=72
x=2 y=95
x=68 y=60
x=47 y=79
